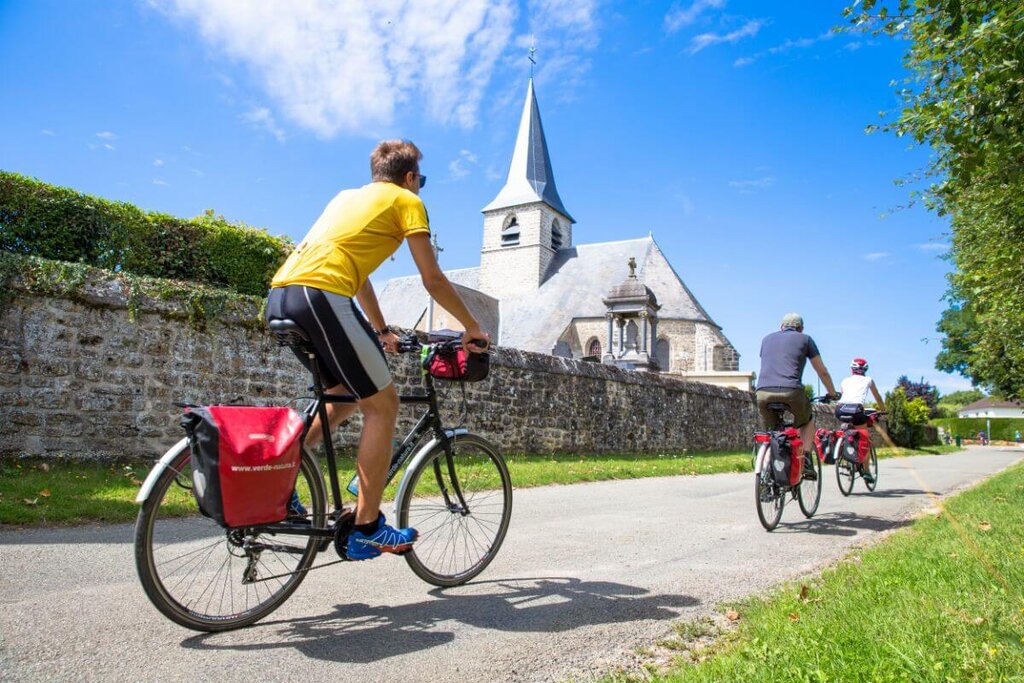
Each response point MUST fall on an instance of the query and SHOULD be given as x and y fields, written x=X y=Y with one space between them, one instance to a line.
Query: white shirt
x=855 y=389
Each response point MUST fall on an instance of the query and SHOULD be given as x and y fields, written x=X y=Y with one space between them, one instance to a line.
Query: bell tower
x=526 y=224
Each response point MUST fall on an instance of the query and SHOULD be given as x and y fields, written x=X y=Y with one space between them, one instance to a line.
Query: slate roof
x=530 y=178
x=578 y=280
x=992 y=403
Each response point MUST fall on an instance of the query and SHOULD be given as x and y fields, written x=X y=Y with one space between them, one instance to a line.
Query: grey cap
x=792 y=320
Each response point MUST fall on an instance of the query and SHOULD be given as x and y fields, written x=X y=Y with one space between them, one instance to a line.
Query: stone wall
x=93 y=372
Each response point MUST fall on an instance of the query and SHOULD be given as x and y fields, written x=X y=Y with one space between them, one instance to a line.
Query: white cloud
x=196 y=172
x=876 y=256
x=260 y=118
x=106 y=135
x=705 y=40
x=158 y=162
x=460 y=166
x=158 y=181
x=107 y=145
x=679 y=16
x=564 y=31
x=748 y=186
x=788 y=45
x=349 y=66
x=933 y=247
x=47 y=131
x=853 y=46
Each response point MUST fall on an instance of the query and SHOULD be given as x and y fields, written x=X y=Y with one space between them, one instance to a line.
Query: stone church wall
x=92 y=373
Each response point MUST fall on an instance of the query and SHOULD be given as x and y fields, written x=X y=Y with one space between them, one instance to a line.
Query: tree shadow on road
x=841 y=524
x=361 y=633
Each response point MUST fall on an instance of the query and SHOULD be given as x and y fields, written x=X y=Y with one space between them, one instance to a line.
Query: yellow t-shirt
x=355 y=233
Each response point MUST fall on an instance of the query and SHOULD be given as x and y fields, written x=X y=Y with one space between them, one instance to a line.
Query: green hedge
x=1003 y=428
x=37 y=219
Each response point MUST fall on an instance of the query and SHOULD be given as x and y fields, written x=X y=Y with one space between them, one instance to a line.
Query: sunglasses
x=423 y=181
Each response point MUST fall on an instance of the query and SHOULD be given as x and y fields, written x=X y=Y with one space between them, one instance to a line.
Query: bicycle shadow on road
x=841 y=524
x=359 y=633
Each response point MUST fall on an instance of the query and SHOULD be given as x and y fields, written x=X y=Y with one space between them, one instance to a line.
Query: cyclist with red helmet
x=855 y=390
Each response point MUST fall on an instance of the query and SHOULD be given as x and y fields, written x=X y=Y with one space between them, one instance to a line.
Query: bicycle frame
x=430 y=421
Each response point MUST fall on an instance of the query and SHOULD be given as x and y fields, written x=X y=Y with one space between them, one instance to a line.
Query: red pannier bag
x=856 y=445
x=245 y=460
x=825 y=446
x=787 y=456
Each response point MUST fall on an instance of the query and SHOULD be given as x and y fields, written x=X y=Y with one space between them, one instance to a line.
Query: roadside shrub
x=37 y=219
x=907 y=419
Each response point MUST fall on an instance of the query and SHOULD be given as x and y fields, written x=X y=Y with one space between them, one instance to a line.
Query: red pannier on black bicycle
x=245 y=460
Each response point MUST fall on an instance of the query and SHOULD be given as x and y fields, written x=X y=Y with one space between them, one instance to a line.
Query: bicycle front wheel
x=457 y=542
x=872 y=470
x=207 y=578
x=809 y=493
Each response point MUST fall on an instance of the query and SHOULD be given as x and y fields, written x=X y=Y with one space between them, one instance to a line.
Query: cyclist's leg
x=380 y=412
x=336 y=414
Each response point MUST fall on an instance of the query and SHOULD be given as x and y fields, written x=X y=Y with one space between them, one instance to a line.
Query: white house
x=987 y=407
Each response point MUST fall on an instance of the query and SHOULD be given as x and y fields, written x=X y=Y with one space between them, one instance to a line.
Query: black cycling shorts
x=347 y=351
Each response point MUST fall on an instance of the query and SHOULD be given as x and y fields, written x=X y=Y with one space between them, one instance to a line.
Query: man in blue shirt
x=783 y=357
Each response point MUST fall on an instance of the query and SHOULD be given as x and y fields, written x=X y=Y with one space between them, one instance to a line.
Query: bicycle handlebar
x=410 y=343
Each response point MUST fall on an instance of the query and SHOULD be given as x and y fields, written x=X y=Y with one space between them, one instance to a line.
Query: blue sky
x=733 y=130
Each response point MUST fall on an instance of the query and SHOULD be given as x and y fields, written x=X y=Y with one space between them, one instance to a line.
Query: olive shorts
x=796 y=399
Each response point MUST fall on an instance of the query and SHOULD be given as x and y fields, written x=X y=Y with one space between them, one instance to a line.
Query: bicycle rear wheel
x=769 y=497
x=206 y=578
x=809 y=494
x=456 y=544
x=845 y=473
x=872 y=464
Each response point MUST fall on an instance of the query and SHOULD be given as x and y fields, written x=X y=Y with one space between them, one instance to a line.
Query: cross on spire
x=532 y=56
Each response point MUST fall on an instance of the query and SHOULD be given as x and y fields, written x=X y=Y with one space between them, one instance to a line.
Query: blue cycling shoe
x=386 y=539
x=296 y=510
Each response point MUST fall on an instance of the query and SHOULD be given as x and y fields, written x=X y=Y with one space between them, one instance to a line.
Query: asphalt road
x=587 y=573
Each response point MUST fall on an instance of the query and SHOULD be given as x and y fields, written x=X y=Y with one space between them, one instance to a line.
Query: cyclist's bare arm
x=438 y=286
x=826 y=379
x=879 y=403
x=367 y=298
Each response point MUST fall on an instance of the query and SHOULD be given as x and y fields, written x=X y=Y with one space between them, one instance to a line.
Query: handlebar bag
x=823 y=442
x=856 y=446
x=245 y=460
x=456 y=364
x=787 y=457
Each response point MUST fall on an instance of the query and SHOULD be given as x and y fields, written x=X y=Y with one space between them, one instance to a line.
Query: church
x=620 y=303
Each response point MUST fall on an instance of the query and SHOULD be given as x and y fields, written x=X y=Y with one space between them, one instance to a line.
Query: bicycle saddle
x=288 y=333
x=779 y=407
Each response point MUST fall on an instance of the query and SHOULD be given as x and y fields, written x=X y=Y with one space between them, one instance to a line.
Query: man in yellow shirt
x=315 y=287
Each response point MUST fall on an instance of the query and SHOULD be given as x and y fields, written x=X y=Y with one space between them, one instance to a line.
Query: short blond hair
x=391 y=160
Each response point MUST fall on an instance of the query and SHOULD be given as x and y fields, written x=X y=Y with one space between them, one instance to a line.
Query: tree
x=922 y=390
x=965 y=99
x=906 y=418
x=950 y=404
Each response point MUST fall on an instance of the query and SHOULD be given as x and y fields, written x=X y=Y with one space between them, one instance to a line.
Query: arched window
x=556 y=235
x=661 y=353
x=594 y=348
x=510 y=232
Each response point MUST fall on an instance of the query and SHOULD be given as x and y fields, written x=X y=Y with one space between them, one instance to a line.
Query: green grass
x=938 y=602
x=70 y=493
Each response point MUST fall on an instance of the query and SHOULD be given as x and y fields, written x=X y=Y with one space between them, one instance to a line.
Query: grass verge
x=941 y=601
x=71 y=493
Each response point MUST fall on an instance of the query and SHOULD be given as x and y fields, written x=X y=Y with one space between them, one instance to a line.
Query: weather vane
x=532 y=55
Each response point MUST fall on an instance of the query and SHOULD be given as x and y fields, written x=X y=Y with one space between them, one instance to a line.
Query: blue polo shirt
x=783 y=357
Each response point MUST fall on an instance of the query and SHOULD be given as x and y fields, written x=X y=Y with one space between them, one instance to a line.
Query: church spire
x=530 y=178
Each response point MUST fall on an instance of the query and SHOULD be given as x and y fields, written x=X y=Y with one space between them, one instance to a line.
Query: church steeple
x=530 y=178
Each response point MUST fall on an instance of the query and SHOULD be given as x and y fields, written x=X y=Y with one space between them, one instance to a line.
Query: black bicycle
x=848 y=465
x=769 y=493
x=456 y=491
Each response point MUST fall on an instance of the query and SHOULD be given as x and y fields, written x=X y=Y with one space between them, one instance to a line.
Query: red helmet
x=859 y=366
